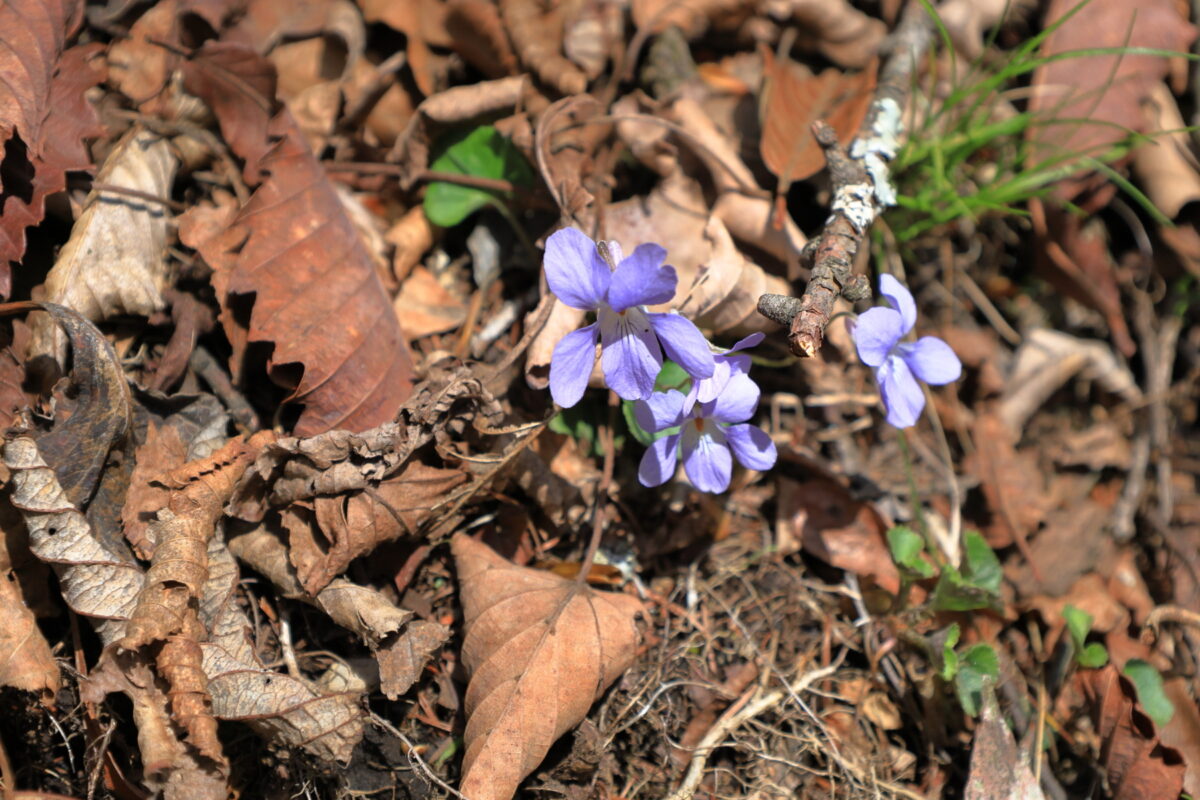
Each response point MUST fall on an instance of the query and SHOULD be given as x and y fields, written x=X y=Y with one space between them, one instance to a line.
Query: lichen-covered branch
x=861 y=189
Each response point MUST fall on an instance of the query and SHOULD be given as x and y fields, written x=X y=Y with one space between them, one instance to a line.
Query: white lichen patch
x=876 y=150
x=855 y=202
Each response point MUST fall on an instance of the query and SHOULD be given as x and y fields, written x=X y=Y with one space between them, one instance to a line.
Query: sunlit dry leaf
x=423 y=22
x=795 y=99
x=1164 y=165
x=115 y=261
x=44 y=116
x=412 y=236
x=162 y=452
x=173 y=768
x=1012 y=482
x=97 y=582
x=295 y=250
x=479 y=37
x=540 y=649
x=181 y=532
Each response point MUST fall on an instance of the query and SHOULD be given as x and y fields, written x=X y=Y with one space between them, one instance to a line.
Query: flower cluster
x=711 y=418
x=898 y=365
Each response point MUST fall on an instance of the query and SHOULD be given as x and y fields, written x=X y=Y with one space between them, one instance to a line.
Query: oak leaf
x=44 y=115
x=292 y=247
x=540 y=650
x=115 y=260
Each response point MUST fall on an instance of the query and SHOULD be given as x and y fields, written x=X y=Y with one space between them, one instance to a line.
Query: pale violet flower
x=899 y=365
x=632 y=339
x=711 y=434
x=725 y=364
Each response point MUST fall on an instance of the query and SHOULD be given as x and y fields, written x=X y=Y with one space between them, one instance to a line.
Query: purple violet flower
x=898 y=365
x=725 y=365
x=618 y=290
x=711 y=434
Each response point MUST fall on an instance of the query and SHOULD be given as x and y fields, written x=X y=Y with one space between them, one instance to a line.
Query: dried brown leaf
x=822 y=517
x=180 y=534
x=115 y=262
x=1012 y=482
x=795 y=99
x=180 y=662
x=353 y=525
x=423 y=22
x=540 y=649
x=1105 y=90
x=537 y=35
x=402 y=659
x=479 y=37
x=412 y=236
x=295 y=250
x=1139 y=767
x=427 y=307
x=44 y=115
x=162 y=452
x=97 y=582
x=1164 y=165
x=835 y=28
x=25 y=659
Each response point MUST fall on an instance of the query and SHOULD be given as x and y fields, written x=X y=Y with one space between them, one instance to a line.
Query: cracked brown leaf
x=294 y=256
x=162 y=452
x=540 y=650
x=115 y=260
x=44 y=115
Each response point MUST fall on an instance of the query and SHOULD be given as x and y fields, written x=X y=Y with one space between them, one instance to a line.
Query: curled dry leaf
x=479 y=37
x=281 y=708
x=423 y=22
x=967 y=20
x=592 y=35
x=171 y=767
x=44 y=115
x=1164 y=164
x=1012 y=483
x=401 y=648
x=97 y=581
x=162 y=452
x=794 y=99
x=115 y=262
x=540 y=650
x=294 y=248
x=180 y=536
x=411 y=236
x=536 y=31
x=835 y=28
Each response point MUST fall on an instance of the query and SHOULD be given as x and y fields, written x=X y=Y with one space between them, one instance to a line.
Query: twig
x=861 y=189
x=214 y=375
x=743 y=710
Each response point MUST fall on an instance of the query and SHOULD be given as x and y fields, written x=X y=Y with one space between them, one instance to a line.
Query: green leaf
x=1149 y=685
x=907 y=546
x=575 y=422
x=977 y=663
x=945 y=653
x=954 y=593
x=481 y=153
x=981 y=568
x=672 y=376
x=1079 y=622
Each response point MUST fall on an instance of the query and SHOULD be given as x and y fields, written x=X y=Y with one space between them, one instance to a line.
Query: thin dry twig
x=861 y=189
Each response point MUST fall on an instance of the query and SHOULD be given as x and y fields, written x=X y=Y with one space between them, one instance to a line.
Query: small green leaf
x=575 y=422
x=482 y=153
x=954 y=593
x=907 y=546
x=946 y=654
x=672 y=376
x=1092 y=656
x=981 y=568
x=978 y=662
x=1079 y=622
x=1149 y=685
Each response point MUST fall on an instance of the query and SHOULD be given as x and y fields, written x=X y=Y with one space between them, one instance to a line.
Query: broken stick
x=861 y=189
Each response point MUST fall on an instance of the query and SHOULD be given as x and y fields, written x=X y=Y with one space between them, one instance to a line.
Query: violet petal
x=571 y=365
x=575 y=272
